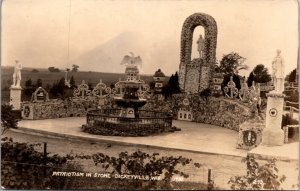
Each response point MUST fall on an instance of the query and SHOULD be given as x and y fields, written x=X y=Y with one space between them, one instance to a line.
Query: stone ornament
x=82 y=91
x=101 y=90
x=273 y=112
x=231 y=88
x=144 y=90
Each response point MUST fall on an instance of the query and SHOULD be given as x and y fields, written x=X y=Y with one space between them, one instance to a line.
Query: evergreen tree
x=39 y=83
x=28 y=83
x=29 y=89
x=250 y=79
x=172 y=86
x=72 y=82
x=292 y=76
x=261 y=74
x=57 y=89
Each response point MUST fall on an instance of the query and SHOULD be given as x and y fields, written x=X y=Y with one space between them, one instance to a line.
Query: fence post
x=45 y=158
x=210 y=183
x=291 y=111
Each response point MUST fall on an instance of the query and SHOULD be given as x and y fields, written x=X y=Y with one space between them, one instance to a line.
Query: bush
x=143 y=164
x=288 y=120
x=258 y=177
x=8 y=118
x=23 y=167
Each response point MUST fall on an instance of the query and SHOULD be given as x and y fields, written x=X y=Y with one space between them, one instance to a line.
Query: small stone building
x=159 y=78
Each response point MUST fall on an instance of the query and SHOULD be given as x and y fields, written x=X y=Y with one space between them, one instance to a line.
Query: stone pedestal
x=273 y=135
x=15 y=97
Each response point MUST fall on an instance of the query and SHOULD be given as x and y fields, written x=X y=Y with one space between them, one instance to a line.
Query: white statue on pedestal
x=278 y=72
x=200 y=43
x=17 y=75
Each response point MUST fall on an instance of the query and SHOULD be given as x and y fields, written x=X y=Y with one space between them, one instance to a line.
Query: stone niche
x=185 y=115
x=209 y=56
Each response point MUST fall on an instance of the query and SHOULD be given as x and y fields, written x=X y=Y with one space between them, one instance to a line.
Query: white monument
x=273 y=135
x=15 y=89
x=278 y=72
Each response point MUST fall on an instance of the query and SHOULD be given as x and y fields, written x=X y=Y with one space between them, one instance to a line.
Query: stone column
x=15 y=97
x=273 y=135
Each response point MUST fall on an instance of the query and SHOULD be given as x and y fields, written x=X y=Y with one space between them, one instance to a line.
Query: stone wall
x=61 y=108
x=221 y=111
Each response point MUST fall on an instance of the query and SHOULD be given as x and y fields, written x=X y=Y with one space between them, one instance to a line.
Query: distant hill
x=51 y=77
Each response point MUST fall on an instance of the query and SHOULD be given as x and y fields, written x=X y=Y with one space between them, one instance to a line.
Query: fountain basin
x=109 y=122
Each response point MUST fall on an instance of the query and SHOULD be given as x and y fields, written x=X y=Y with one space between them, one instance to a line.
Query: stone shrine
x=195 y=75
x=159 y=78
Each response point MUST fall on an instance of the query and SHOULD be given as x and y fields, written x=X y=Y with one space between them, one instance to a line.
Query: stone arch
x=210 y=40
x=210 y=29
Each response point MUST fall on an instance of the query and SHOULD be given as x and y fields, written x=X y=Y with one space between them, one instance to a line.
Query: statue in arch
x=17 y=74
x=278 y=72
x=200 y=43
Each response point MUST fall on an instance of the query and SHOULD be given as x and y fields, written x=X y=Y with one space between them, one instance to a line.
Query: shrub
x=8 y=118
x=258 y=177
x=23 y=167
x=140 y=163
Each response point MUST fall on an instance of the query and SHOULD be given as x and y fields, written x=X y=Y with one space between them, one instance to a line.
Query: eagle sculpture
x=131 y=60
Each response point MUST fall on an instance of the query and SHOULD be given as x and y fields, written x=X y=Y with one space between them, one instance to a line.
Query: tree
x=48 y=87
x=152 y=85
x=75 y=68
x=232 y=63
x=53 y=69
x=8 y=118
x=57 y=89
x=291 y=77
x=172 y=86
x=250 y=79
x=28 y=83
x=72 y=82
x=34 y=71
x=39 y=83
x=29 y=88
x=261 y=74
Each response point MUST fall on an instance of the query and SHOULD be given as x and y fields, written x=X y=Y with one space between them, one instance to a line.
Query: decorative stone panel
x=250 y=134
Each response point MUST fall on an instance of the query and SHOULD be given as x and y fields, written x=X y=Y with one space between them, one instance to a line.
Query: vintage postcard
x=172 y=95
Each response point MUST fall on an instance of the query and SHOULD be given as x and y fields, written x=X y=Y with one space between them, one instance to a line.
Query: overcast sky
x=36 y=32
